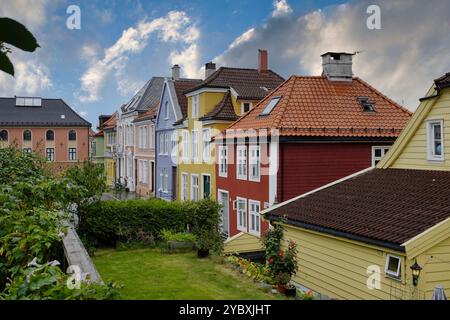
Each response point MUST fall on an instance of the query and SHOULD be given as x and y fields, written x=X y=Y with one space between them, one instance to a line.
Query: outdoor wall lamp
x=416 y=268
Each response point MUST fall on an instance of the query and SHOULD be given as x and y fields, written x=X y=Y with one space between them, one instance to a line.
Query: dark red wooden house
x=319 y=129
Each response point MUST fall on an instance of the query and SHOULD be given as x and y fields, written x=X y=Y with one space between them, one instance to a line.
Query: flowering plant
x=282 y=264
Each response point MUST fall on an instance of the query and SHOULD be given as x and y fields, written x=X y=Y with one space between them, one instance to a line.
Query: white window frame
x=223 y=174
x=195 y=99
x=430 y=140
x=389 y=273
x=383 y=153
x=160 y=137
x=257 y=215
x=141 y=171
x=241 y=226
x=193 y=187
x=206 y=145
x=242 y=106
x=166 y=110
x=184 y=192
x=251 y=160
x=165 y=180
x=69 y=156
x=161 y=178
x=194 y=145
x=241 y=162
x=167 y=142
x=144 y=137
x=203 y=185
x=185 y=145
x=152 y=137
x=145 y=170
x=174 y=139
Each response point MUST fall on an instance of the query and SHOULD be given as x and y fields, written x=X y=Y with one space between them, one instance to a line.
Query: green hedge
x=111 y=221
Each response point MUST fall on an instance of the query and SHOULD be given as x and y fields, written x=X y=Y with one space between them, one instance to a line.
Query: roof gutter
x=336 y=233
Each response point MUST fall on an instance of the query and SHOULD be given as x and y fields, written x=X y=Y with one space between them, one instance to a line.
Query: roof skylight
x=272 y=104
x=366 y=105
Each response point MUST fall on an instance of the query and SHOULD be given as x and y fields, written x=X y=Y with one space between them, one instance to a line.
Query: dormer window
x=366 y=105
x=272 y=104
x=435 y=132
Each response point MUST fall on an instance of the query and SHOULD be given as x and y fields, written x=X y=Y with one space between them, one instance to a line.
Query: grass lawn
x=150 y=274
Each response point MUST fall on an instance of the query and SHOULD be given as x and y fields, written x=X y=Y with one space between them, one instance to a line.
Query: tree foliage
x=17 y=35
x=33 y=211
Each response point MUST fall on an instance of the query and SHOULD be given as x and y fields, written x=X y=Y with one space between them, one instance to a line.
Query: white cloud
x=31 y=13
x=401 y=60
x=175 y=27
x=89 y=51
x=31 y=75
x=281 y=8
x=83 y=113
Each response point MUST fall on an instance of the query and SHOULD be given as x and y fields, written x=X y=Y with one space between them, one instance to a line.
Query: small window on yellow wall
x=393 y=266
x=435 y=133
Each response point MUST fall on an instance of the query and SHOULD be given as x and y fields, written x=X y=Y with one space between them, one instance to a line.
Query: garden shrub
x=112 y=221
x=33 y=213
x=168 y=235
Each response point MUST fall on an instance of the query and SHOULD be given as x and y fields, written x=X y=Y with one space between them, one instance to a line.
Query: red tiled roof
x=180 y=87
x=387 y=205
x=110 y=123
x=147 y=115
x=315 y=106
x=224 y=110
x=249 y=84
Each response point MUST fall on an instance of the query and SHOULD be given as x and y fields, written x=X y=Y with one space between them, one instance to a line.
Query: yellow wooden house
x=109 y=131
x=382 y=233
x=224 y=96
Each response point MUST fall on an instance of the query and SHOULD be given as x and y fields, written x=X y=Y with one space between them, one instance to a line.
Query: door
x=174 y=183
x=224 y=201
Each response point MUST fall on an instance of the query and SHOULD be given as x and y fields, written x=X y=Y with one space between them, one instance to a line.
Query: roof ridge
x=260 y=102
x=382 y=95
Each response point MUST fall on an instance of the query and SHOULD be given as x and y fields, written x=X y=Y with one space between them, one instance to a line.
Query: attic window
x=28 y=102
x=366 y=105
x=272 y=104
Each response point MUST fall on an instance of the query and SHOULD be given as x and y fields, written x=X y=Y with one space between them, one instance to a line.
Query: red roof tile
x=315 y=106
x=110 y=123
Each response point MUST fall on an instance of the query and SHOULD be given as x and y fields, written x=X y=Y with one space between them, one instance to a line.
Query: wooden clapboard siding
x=414 y=152
x=436 y=268
x=338 y=267
x=243 y=243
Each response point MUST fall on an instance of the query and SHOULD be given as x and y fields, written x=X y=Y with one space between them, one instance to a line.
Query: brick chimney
x=263 y=60
x=176 y=72
x=337 y=66
x=210 y=68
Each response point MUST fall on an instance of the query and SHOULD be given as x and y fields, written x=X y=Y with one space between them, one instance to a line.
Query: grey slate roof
x=49 y=114
x=147 y=97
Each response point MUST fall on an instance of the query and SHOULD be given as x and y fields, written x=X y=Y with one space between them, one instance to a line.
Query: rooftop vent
x=337 y=66
x=366 y=105
x=63 y=116
x=272 y=104
x=28 y=102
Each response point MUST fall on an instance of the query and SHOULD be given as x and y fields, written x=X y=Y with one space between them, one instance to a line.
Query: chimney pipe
x=337 y=66
x=176 y=72
x=263 y=60
x=210 y=68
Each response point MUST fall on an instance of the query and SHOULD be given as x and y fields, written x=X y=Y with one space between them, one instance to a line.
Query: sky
x=123 y=43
